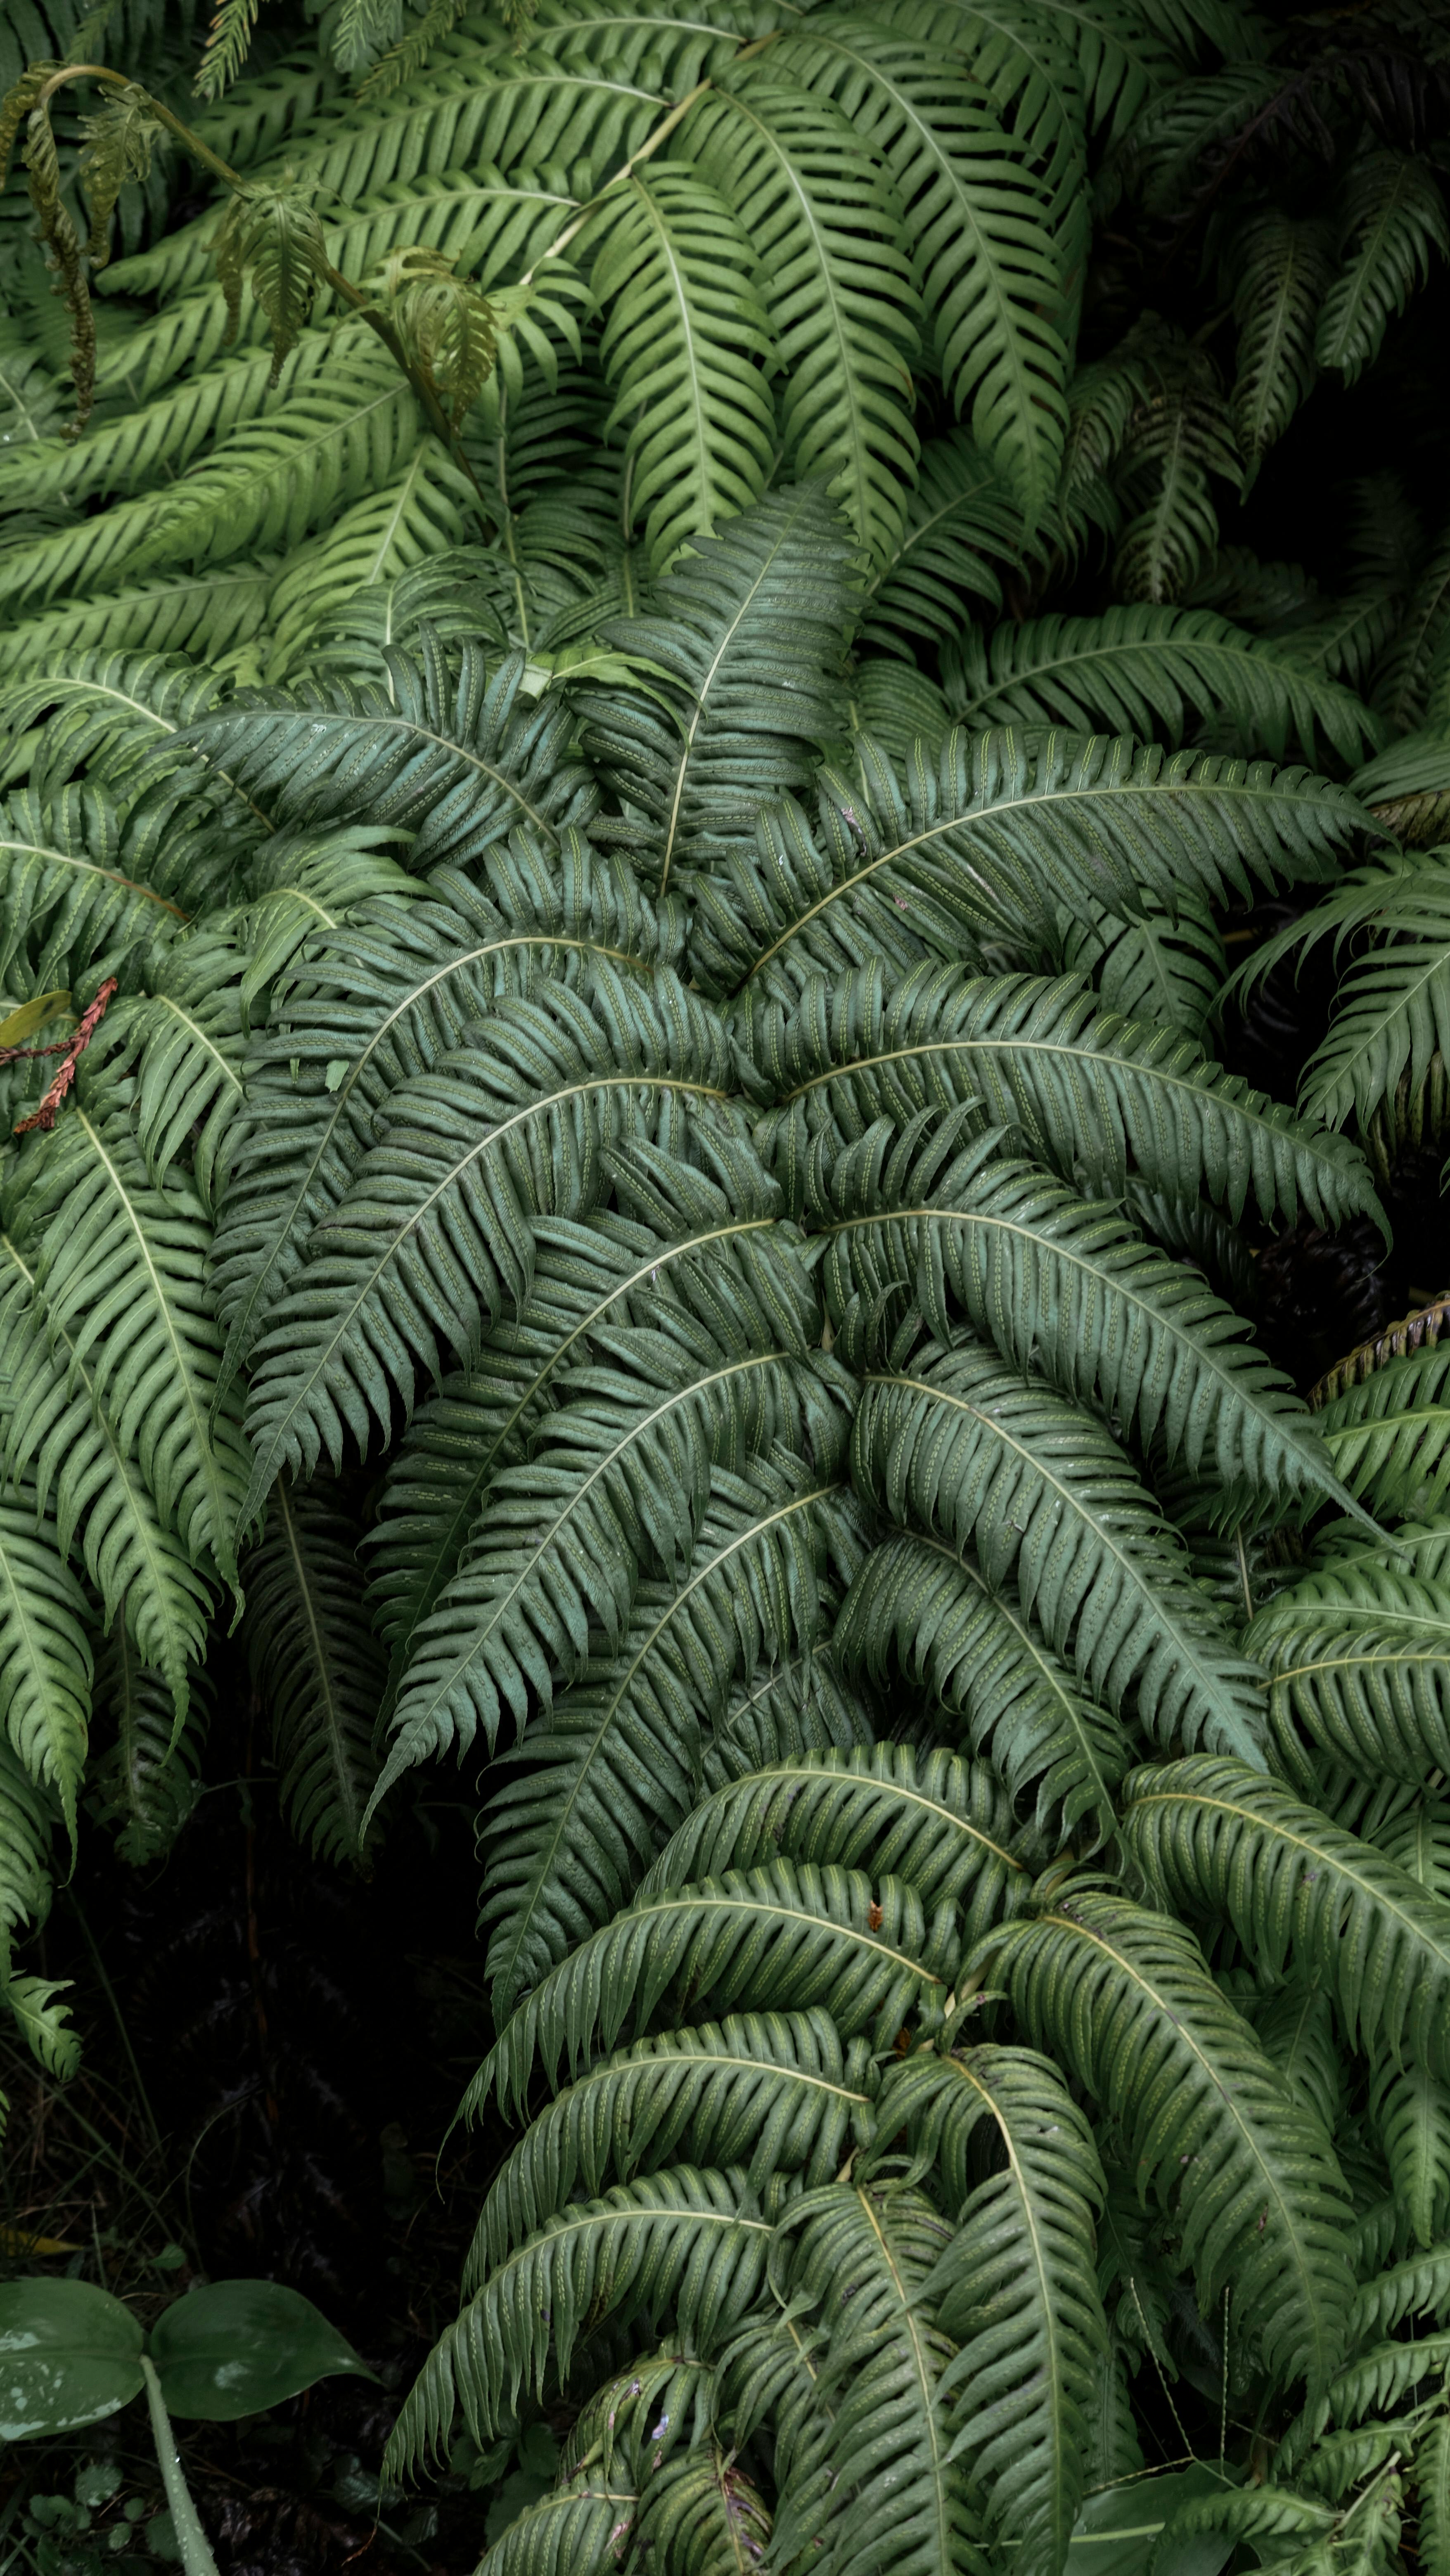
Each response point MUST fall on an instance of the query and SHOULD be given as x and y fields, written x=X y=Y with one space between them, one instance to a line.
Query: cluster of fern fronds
x=616 y=1147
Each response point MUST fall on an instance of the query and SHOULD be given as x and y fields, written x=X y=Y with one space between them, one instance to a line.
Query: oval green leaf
x=1119 y=2528
x=69 y=2354
x=236 y=2347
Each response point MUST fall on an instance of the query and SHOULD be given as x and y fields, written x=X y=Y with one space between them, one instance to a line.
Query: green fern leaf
x=1359 y=1651
x=981 y=1656
x=960 y=516
x=978 y=223
x=1210 y=1833
x=27 y=1822
x=1371 y=2384
x=73 y=895
x=1392 y=1012
x=42 y=2023
x=145 y=1785
x=1017 y=2285
x=605 y=1272
x=1006 y=828
x=703 y=2512
x=958 y=1442
x=839 y=294
x=1156 y=967
x=780 y=1938
x=577 y=2531
x=422 y=511
x=1031 y=1264
x=1123 y=1999
x=615 y=1763
x=1390 y=1437
x=45 y=1660
x=1085 y=1089
x=775 y=2093
x=897 y=2501
x=118 y=1268
x=1391 y=223
x=57 y=1426
x=1283 y=267
x=385 y=1003
x=186 y=1040
x=681 y=2240
x=316 y=1667
x=688 y=349
x=1432 y=2485
x=747 y=634
x=207 y=613
x=1147 y=671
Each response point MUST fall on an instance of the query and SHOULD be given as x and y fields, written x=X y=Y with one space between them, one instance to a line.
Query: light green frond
x=119 y=1268
x=209 y=612
x=776 y=1939
x=688 y=349
x=702 y=2512
x=1371 y=2384
x=1086 y=1089
x=1123 y=1999
x=1359 y=1652
x=57 y=1427
x=1390 y=1437
x=955 y=1441
x=145 y=1783
x=961 y=520
x=1005 y=827
x=1392 y=223
x=577 y=2531
x=469 y=1156
x=685 y=2240
x=1149 y=671
x=981 y=1656
x=775 y=2093
x=747 y=633
x=426 y=509
x=1067 y=1284
x=978 y=222
x=896 y=2504
x=42 y=2023
x=45 y=1659
x=839 y=293
x=315 y=1664
x=1017 y=2285
x=615 y=1764
x=1210 y=1834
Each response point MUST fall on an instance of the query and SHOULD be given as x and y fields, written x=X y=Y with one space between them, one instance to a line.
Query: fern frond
x=27 y=1822
x=1210 y=1833
x=1359 y=1651
x=1086 y=1090
x=958 y=520
x=73 y=893
x=607 y=1271
x=798 y=1707
x=688 y=348
x=1156 y=967
x=1283 y=266
x=1390 y=1437
x=1392 y=1012
x=1392 y=223
x=576 y=2531
x=45 y=1659
x=703 y=2512
x=1123 y=1998
x=982 y=1657
x=417 y=515
x=1407 y=676
x=1147 y=671
x=457 y=764
x=58 y=1427
x=1017 y=2285
x=1031 y=1264
x=145 y=1785
x=747 y=633
x=838 y=288
x=685 y=2240
x=186 y=1040
x=615 y=1764
x=471 y=1153
x=387 y=1002
x=896 y=2500
x=781 y=1938
x=1004 y=829
x=316 y=1667
x=957 y=1442
x=774 y=2093
x=210 y=612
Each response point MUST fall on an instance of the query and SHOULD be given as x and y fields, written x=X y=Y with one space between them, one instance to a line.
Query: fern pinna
x=618 y=1161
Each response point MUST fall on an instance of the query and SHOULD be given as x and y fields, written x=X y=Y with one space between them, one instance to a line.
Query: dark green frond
x=919 y=1601
x=1124 y=1999
x=45 y=1656
x=1359 y=1652
x=1391 y=224
x=315 y=1664
x=145 y=1784
x=1390 y=1437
